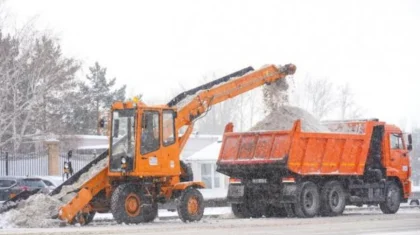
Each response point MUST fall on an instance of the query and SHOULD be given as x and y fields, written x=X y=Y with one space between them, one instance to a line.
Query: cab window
x=396 y=141
x=150 y=132
x=168 y=128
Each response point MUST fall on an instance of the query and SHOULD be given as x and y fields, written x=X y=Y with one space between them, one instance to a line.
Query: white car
x=414 y=199
x=51 y=181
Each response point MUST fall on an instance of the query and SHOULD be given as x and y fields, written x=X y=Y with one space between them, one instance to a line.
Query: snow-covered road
x=406 y=222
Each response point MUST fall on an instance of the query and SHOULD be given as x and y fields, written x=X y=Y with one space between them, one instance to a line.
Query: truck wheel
x=308 y=200
x=190 y=205
x=129 y=204
x=333 y=199
x=240 y=210
x=290 y=210
x=256 y=205
x=272 y=211
x=392 y=198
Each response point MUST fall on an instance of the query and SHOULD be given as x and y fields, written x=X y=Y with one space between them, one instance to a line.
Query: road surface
x=406 y=222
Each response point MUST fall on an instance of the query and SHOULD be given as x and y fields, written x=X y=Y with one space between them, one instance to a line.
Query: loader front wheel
x=308 y=200
x=190 y=205
x=129 y=205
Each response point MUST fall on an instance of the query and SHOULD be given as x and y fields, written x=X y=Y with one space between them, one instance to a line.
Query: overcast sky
x=153 y=46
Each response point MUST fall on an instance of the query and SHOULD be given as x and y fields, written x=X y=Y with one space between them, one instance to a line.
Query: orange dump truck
x=304 y=174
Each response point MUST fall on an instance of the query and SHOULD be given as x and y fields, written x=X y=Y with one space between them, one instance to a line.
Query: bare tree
x=319 y=97
x=346 y=104
x=33 y=76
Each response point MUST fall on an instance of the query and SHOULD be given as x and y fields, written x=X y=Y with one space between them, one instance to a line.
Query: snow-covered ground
x=173 y=214
x=405 y=222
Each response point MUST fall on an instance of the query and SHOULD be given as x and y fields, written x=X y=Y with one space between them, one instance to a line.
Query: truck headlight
x=66 y=165
x=123 y=160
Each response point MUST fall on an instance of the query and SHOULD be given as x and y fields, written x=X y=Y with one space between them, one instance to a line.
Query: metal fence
x=37 y=163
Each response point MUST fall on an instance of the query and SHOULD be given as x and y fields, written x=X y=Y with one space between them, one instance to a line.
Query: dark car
x=13 y=185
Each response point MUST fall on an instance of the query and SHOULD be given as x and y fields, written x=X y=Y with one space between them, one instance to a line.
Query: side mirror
x=175 y=114
x=116 y=128
x=102 y=123
x=410 y=143
x=409 y=147
x=69 y=154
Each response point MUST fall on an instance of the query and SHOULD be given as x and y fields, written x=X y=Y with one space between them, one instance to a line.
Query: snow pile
x=284 y=117
x=281 y=116
x=38 y=210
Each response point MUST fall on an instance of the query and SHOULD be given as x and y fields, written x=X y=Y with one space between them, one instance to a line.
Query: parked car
x=51 y=181
x=10 y=186
x=414 y=198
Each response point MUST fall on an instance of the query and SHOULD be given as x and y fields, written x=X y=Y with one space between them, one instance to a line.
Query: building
x=203 y=164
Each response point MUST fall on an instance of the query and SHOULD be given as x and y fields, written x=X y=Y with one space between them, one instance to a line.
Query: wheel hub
x=193 y=206
x=335 y=199
x=132 y=205
x=309 y=200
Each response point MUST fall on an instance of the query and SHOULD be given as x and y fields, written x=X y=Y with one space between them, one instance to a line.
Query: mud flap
x=288 y=193
x=236 y=193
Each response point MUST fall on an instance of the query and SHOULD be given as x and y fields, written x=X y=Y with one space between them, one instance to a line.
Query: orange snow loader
x=144 y=166
x=305 y=174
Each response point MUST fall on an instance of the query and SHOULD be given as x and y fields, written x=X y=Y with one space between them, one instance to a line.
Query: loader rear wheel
x=129 y=205
x=392 y=198
x=190 y=205
x=308 y=200
x=333 y=199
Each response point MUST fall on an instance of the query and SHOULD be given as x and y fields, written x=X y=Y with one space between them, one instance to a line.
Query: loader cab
x=144 y=141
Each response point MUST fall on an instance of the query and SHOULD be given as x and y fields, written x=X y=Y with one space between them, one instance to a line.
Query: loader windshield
x=123 y=140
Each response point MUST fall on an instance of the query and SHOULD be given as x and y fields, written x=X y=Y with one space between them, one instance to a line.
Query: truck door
x=150 y=148
x=399 y=160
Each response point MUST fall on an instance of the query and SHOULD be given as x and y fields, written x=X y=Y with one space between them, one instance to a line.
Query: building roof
x=208 y=153
x=196 y=142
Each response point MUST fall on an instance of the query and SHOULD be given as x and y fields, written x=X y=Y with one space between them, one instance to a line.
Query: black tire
x=272 y=211
x=187 y=172
x=392 y=198
x=308 y=200
x=290 y=210
x=240 y=211
x=153 y=213
x=333 y=199
x=256 y=204
x=190 y=205
x=129 y=205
